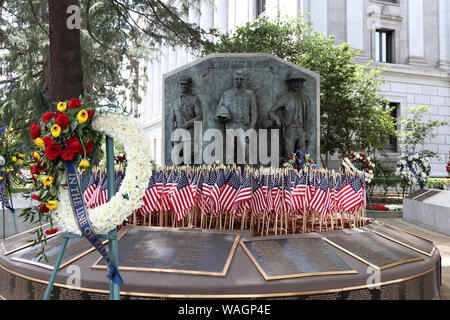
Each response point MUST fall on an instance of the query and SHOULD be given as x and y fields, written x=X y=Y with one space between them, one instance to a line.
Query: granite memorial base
x=430 y=209
x=376 y=262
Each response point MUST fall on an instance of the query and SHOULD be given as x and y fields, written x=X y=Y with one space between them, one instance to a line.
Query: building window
x=260 y=7
x=391 y=142
x=384 y=46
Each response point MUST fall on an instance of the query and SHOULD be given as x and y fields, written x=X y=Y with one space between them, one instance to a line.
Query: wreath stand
x=114 y=289
x=3 y=218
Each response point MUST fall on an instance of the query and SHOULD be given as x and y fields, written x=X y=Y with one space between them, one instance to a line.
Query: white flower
x=106 y=217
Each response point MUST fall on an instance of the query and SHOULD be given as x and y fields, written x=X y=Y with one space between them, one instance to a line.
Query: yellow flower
x=21 y=155
x=8 y=170
x=14 y=159
x=1 y=178
x=52 y=204
x=4 y=144
x=18 y=175
x=20 y=162
x=82 y=116
x=36 y=156
x=40 y=142
x=62 y=106
x=84 y=163
x=48 y=180
x=56 y=130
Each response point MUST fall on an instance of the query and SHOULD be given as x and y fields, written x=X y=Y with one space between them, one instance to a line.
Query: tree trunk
x=65 y=53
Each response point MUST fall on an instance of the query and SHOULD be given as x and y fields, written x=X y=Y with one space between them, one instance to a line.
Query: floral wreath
x=298 y=161
x=69 y=134
x=414 y=168
x=359 y=161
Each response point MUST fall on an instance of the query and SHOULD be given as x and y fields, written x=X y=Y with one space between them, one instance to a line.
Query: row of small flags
x=232 y=191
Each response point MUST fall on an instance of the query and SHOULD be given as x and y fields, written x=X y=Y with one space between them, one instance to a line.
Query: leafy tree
x=414 y=131
x=352 y=112
x=115 y=35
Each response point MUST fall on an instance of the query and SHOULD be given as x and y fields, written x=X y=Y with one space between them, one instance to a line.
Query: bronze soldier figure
x=291 y=114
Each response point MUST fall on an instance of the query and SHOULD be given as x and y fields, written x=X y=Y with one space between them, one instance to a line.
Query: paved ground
x=441 y=241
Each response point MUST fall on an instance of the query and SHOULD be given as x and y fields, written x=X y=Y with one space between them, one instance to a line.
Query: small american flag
x=350 y=196
x=275 y=194
x=90 y=189
x=209 y=203
x=259 y=202
x=230 y=191
x=182 y=199
x=244 y=196
x=320 y=200
x=217 y=189
x=287 y=193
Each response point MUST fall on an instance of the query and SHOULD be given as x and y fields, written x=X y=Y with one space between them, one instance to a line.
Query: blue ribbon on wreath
x=79 y=211
x=414 y=172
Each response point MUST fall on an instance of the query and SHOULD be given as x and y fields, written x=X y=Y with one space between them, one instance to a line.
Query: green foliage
x=414 y=131
x=115 y=36
x=353 y=116
x=436 y=183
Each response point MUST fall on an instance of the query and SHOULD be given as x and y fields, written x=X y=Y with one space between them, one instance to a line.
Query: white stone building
x=411 y=37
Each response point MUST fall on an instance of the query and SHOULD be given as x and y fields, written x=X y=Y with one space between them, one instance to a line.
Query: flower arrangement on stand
x=70 y=135
x=414 y=168
x=359 y=161
x=13 y=159
x=299 y=161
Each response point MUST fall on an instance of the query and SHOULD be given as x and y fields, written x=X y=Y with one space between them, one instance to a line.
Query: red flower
x=35 y=197
x=289 y=158
x=90 y=114
x=53 y=151
x=309 y=160
x=35 y=131
x=62 y=120
x=296 y=167
x=47 y=140
x=51 y=231
x=43 y=208
x=73 y=147
x=74 y=103
x=89 y=146
x=48 y=116
x=36 y=169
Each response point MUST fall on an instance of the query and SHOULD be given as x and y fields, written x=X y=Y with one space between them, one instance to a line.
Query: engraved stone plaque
x=417 y=193
x=180 y=251
x=404 y=238
x=295 y=257
x=22 y=240
x=373 y=250
x=424 y=194
x=76 y=248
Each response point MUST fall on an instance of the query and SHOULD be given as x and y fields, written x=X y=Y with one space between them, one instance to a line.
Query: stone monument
x=248 y=91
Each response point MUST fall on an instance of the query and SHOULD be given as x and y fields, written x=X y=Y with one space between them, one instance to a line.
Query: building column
x=231 y=14
x=355 y=23
x=290 y=9
x=444 y=34
x=319 y=15
x=415 y=33
x=241 y=12
x=221 y=15
x=194 y=17
x=207 y=16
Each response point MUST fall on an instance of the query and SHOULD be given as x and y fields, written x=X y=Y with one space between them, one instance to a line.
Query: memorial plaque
x=294 y=258
x=417 y=194
x=373 y=250
x=426 y=195
x=441 y=198
x=22 y=240
x=404 y=238
x=76 y=248
x=180 y=251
